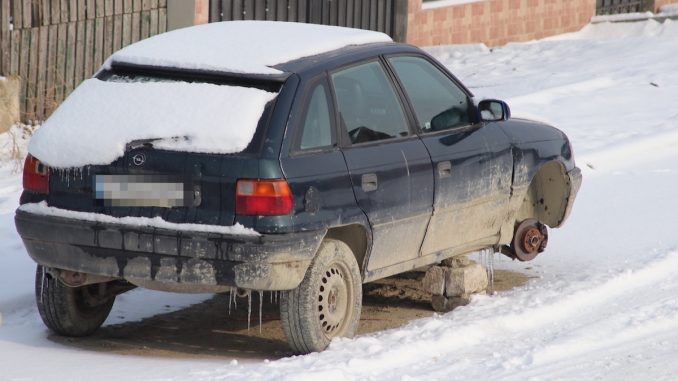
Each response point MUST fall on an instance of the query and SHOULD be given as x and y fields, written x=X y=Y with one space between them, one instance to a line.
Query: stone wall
x=495 y=22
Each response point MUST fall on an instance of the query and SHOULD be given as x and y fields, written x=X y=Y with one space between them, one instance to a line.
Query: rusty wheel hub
x=530 y=239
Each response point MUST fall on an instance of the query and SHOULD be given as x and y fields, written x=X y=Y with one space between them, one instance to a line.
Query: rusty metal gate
x=388 y=16
x=609 y=7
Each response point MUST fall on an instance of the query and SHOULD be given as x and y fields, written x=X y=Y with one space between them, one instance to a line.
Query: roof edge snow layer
x=251 y=47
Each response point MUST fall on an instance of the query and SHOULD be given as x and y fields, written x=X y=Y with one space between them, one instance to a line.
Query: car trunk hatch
x=181 y=179
x=179 y=187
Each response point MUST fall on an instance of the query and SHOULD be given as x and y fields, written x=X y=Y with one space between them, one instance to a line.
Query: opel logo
x=139 y=159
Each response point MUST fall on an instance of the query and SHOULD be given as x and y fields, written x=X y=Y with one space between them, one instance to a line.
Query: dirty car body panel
x=399 y=200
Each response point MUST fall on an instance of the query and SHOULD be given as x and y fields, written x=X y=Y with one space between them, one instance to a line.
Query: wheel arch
x=546 y=198
x=357 y=237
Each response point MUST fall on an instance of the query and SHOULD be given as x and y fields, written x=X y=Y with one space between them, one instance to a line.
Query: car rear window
x=100 y=117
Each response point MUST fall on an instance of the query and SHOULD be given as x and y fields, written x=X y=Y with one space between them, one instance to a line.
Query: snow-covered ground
x=604 y=305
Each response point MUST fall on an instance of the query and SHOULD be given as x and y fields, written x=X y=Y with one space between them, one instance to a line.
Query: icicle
x=249 y=308
x=42 y=282
x=230 y=299
x=261 y=308
x=272 y=296
x=489 y=257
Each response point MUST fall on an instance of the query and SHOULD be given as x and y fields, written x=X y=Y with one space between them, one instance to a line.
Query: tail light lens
x=263 y=197
x=36 y=176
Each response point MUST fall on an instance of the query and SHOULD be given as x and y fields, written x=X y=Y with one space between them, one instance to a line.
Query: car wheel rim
x=334 y=300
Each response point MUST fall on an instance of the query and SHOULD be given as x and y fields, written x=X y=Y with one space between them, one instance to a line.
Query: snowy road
x=605 y=305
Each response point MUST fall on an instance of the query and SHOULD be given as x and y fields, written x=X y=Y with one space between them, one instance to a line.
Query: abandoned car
x=279 y=157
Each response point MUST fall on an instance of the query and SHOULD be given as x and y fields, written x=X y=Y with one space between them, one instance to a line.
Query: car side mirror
x=492 y=110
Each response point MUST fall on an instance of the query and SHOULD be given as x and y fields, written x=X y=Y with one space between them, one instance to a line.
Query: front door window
x=439 y=104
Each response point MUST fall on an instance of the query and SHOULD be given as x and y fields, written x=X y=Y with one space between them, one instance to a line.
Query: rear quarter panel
x=534 y=145
x=319 y=180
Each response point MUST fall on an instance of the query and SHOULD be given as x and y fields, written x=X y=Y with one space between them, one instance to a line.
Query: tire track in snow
x=532 y=337
x=632 y=151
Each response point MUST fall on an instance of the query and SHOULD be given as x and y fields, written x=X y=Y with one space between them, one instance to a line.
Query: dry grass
x=37 y=106
x=9 y=102
x=16 y=143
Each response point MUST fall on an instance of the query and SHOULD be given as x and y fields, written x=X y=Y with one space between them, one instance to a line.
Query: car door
x=389 y=166
x=314 y=166
x=472 y=162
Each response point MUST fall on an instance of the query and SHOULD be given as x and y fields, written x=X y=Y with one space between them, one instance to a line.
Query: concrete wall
x=495 y=22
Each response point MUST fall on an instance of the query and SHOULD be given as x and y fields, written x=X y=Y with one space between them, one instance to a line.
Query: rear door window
x=367 y=104
x=438 y=102
x=317 y=130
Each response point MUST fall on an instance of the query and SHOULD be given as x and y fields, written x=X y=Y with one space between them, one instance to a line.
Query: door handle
x=369 y=182
x=444 y=169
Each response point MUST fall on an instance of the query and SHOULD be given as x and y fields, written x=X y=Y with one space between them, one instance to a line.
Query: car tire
x=328 y=301
x=70 y=311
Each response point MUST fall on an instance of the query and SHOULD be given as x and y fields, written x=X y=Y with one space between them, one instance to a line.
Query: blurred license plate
x=140 y=190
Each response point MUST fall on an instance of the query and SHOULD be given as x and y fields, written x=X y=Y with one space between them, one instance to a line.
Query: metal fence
x=53 y=45
x=609 y=7
x=388 y=16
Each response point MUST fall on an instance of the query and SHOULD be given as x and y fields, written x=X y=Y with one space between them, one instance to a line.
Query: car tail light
x=263 y=197
x=36 y=176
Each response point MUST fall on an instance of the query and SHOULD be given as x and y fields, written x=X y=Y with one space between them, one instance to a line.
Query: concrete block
x=466 y=280
x=10 y=88
x=456 y=262
x=442 y=303
x=434 y=280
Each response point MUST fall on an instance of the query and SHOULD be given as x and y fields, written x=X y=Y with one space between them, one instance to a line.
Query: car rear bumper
x=147 y=255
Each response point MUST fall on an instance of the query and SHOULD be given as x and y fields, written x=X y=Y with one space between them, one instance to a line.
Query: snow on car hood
x=241 y=46
x=99 y=118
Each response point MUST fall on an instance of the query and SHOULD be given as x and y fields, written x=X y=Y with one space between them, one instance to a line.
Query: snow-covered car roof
x=252 y=47
x=100 y=117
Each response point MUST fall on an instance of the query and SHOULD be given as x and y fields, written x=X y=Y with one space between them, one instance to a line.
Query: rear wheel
x=328 y=301
x=71 y=311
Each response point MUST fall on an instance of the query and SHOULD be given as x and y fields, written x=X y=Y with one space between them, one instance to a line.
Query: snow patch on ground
x=633 y=16
x=242 y=46
x=603 y=305
x=592 y=84
x=445 y=3
x=669 y=9
x=99 y=118
x=634 y=30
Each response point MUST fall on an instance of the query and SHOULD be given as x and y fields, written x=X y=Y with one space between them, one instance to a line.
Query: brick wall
x=659 y=3
x=495 y=22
